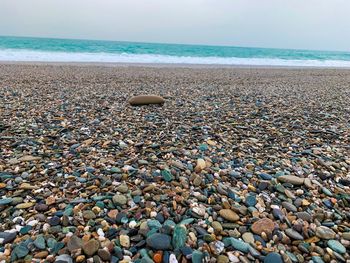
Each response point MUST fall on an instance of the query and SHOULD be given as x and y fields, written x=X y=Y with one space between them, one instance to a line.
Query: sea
x=74 y=50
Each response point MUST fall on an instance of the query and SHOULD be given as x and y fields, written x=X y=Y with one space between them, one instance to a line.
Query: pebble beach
x=238 y=164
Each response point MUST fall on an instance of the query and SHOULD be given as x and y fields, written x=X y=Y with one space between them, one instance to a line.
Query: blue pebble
x=265 y=176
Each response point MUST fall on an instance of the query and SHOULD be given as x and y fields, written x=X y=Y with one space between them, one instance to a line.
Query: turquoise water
x=69 y=50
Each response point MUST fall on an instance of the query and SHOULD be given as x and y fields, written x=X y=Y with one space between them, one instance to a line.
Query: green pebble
x=40 y=242
x=24 y=230
x=197 y=256
x=167 y=176
x=179 y=236
x=100 y=204
x=20 y=251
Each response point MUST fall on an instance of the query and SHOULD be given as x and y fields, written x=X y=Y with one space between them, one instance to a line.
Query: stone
x=5 y=201
x=124 y=241
x=197 y=256
x=41 y=254
x=248 y=237
x=346 y=235
x=159 y=241
x=263 y=225
x=7 y=237
x=91 y=247
x=197 y=181
x=74 y=243
x=40 y=242
x=88 y=214
x=336 y=246
x=179 y=236
x=239 y=245
x=201 y=165
x=167 y=176
x=289 y=206
x=273 y=258
x=216 y=247
x=217 y=226
x=265 y=176
x=294 y=180
x=64 y=258
x=229 y=215
x=145 y=100
x=113 y=213
x=20 y=251
x=250 y=200
x=25 y=205
x=222 y=259
x=54 y=221
x=104 y=254
x=324 y=232
x=41 y=207
x=29 y=158
x=293 y=234
x=304 y=216
x=120 y=199
x=123 y=188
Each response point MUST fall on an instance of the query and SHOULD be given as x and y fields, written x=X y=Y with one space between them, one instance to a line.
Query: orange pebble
x=158 y=257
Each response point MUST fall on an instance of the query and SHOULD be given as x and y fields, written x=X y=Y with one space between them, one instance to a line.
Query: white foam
x=41 y=56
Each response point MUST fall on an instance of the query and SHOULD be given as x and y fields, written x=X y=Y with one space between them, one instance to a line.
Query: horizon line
x=169 y=43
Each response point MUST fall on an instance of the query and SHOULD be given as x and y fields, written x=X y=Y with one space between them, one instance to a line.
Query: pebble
x=263 y=225
x=40 y=242
x=124 y=241
x=74 y=243
x=222 y=259
x=120 y=200
x=104 y=254
x=248 y=237
x=145 y=100
x=7 y=237
x=239 y=245
x=159 y=241
x=64 y=258
x=273 y=258
x=294 y=180
x=91 y=247
x=229 y=215
x=336 y=246
x=325 y=232
x=293 y=234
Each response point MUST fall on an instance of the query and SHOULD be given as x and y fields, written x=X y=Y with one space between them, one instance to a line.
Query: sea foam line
x=43 y=56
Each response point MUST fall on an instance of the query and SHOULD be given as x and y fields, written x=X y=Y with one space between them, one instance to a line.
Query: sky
x=300 y=24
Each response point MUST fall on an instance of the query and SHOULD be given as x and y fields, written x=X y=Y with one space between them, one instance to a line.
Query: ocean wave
x=44 y=56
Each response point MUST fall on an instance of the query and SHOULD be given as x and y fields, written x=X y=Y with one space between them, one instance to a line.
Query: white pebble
x=132 y=224
x=33 y=222
x=172 y=259
x=100 y=232
x=46 y=227
x=17 y=218
x=127 y=258
x=153 y=214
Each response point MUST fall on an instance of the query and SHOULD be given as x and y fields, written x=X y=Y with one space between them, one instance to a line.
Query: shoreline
x=167 y=65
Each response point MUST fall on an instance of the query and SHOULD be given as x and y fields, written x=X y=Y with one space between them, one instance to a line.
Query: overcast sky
x=309 y=24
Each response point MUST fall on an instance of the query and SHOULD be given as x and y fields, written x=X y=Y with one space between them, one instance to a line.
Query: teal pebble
x=336 y=246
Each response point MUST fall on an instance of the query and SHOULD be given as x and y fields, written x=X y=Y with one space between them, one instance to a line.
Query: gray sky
x=310 y=24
